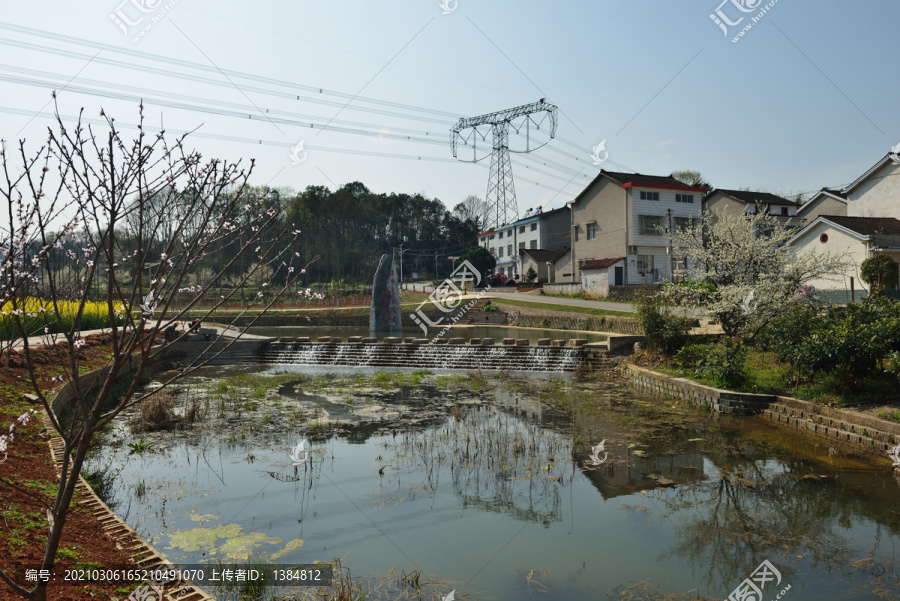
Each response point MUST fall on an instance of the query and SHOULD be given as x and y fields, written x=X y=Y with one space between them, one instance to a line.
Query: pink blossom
x=79 y=343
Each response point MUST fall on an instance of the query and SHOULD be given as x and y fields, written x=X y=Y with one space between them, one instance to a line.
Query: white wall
x=878 y=196
x=839 y=243
x=596 y=282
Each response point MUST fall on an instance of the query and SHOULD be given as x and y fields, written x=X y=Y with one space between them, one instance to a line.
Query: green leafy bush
x=691 y=355
x=723 y=362
x=664 y=331
x=881 y=267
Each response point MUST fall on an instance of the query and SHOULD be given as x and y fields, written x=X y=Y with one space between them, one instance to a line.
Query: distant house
x=857 y=239
x=536 y=231
x=876 y=193
x=561 y=269
x=506 y=253
x=598 y=275
x=547 y=231
x=739 y=202
x=632 y=215
x=823 y=202
x=540 y=260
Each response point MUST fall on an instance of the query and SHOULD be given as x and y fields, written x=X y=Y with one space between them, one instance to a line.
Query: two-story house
x=739 y=202
x=632 y=215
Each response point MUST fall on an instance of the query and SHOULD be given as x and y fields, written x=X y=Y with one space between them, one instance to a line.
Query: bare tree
x=112 y=205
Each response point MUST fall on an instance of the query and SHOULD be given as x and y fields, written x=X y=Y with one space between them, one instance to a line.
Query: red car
x=497 y=279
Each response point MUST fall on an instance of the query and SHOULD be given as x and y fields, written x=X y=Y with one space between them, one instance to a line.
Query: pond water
x=497 y=333
x=485 y=484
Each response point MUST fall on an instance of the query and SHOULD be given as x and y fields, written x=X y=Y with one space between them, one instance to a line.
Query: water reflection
x=497 y=472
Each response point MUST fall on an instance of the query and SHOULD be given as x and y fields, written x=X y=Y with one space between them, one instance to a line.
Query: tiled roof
x=867 y=226
x=602 y=263
x=638 y=179
x=751 y=197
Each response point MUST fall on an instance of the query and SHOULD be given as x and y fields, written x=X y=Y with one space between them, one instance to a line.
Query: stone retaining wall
x=862 y=431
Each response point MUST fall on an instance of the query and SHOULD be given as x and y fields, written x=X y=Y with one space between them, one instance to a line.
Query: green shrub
x=689 y=356
x=881 y=267
x=725 y=363
x=664 y=332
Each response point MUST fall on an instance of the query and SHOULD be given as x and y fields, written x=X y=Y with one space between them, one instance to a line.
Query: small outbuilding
x=598 y=275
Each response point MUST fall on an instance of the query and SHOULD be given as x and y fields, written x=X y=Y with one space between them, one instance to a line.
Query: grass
x=766 y=376
x=893 y=416
x=563 y=308
x=398 y=379
x=583 y=296
x=64 y=553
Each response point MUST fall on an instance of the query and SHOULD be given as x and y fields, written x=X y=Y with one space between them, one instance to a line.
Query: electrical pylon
x=500 y=203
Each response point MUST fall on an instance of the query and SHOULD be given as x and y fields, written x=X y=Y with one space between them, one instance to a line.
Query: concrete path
x=535 y=297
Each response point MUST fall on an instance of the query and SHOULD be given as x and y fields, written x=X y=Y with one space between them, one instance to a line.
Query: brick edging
x=122 y=535
x=873 y=435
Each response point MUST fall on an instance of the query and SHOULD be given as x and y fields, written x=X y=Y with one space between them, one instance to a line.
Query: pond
x=484 y=483
x=498 y=333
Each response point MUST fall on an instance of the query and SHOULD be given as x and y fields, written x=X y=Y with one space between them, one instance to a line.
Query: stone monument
x=385 y=315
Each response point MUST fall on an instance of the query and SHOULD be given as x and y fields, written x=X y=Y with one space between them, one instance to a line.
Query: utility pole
x=435 y=267
x=401 y=266
x=669 y=249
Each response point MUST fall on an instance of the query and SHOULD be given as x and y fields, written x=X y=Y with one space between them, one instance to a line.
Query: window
x=576 y=233
x=784 y=210
x=534 y=226
x=591 y=231
x=533 y=244
x=823 y=238
x=684 y=198
x=500 y=236
x=645 y=264
x=679 y=269
x=650 y=225
x=521 y=246
x=649 y=195
x=522 y=229
x=492 y=236
x=500 y=255
x=509 y=250
x=685 y=222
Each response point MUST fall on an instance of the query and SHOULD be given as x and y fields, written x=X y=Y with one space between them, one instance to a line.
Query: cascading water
x=444 y=356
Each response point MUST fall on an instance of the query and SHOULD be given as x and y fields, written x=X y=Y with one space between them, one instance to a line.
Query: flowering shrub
x=7 y=438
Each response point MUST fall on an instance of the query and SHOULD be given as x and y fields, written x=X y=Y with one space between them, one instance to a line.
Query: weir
x=425 y=356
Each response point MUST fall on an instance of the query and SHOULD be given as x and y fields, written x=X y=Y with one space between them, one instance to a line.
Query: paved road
x=534 y=297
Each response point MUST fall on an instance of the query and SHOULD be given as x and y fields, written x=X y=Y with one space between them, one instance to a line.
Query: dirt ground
x=28 y=483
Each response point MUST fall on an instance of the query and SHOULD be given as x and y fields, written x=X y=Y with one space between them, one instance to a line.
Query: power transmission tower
x=500 y=202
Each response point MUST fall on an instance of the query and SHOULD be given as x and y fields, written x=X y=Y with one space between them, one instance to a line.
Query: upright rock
x=385 y=315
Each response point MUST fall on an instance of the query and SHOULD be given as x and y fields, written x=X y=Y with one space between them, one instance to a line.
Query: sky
x=806 y=98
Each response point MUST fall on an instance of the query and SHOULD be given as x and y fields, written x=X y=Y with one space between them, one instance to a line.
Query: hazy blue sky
x=808 y=97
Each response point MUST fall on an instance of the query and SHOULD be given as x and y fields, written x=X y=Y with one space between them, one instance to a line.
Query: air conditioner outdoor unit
x=632 y=250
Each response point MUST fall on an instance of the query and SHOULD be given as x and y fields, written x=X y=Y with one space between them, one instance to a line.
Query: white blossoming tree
x=745 y=273
x=94 y=217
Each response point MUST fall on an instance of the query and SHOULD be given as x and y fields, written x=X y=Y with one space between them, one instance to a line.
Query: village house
x=865 y=220
x=631 y=215
x=740 y=202
x=535 y=231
